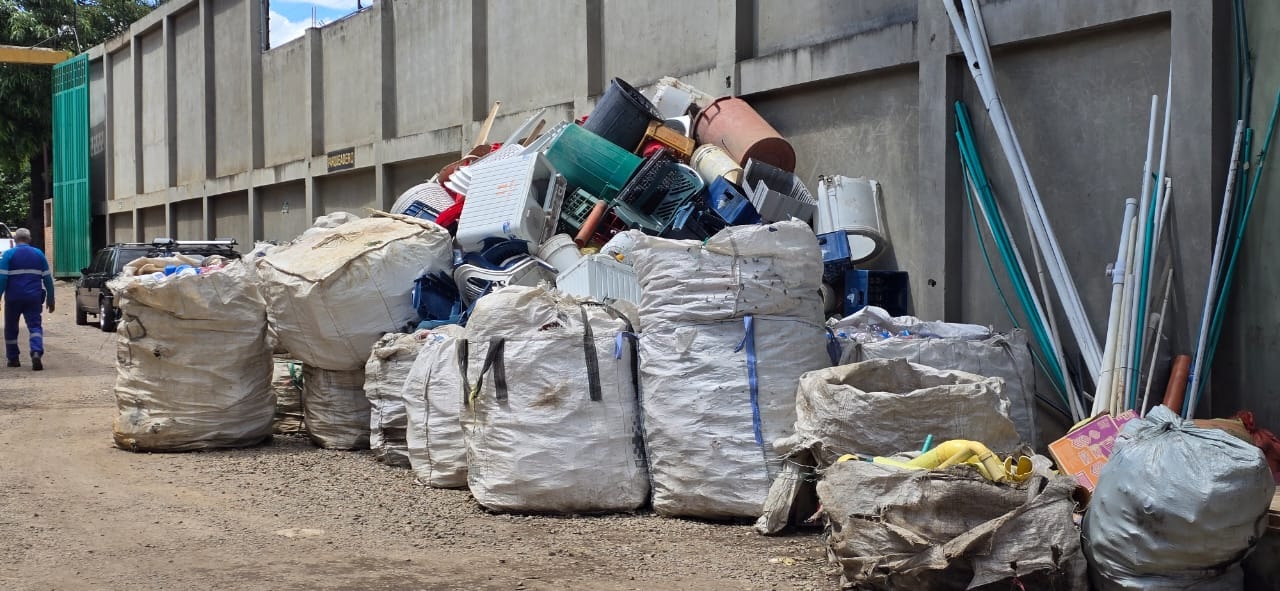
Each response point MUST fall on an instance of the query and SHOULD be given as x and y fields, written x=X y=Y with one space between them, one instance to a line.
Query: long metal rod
x=1215 y=268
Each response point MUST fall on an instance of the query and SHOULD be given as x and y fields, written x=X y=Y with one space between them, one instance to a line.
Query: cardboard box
x=1083 y=451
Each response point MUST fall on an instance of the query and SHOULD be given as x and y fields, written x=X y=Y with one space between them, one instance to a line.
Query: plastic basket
x=575 y=209
x=835 y=255
x=591 y=162
x=731 y=204
x=693 y=221
x=777 y=194
x=890 y=290
x=424 y=201
x=659 y=180
x=601 y=278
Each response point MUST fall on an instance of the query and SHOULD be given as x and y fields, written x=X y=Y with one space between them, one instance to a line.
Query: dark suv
x=92 y=295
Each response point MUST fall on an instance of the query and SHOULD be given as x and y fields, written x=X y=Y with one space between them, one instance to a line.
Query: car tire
x=106 y=315
x=82 y=317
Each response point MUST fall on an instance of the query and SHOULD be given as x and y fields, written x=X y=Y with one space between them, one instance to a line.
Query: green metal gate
x=71 y=215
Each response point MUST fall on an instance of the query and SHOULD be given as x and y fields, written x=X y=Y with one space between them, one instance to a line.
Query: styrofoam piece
x=517 y=198
x=852 y=206
x=777 y=195
x=600 y=277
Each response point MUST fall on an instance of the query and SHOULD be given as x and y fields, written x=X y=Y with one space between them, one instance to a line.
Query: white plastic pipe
x=1155 y=347
x=1215 y=269
x=1140 y=254
x=1120 y=373
x=974 y=43
x=1102 y=400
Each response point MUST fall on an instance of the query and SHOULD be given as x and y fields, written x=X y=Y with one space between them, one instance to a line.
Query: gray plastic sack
x=1177 y=507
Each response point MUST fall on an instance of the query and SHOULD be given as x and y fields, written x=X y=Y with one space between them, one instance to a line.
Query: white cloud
x=343 y=5
x=284 y=30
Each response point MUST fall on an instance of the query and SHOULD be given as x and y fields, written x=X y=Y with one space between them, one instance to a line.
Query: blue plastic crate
x=836 y=257
x=730 y=203
x=693 y=221
x=890 y=290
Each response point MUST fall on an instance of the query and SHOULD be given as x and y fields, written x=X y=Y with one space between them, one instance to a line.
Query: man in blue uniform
x=25 y=283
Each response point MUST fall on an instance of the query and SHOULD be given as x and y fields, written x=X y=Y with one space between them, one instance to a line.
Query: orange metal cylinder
x=1177 y=388
x=733 y=125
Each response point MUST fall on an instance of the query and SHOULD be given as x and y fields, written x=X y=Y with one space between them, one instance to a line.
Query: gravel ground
x=76 y=513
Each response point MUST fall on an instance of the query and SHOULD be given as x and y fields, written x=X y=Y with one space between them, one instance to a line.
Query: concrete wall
x=153 y=223
x=188 y=219
x=121 y=226
x=860 y=88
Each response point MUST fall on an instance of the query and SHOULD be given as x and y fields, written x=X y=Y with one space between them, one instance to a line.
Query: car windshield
x=127 y=256
x=4 y=231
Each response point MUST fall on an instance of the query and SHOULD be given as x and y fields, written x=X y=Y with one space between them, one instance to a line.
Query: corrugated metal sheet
x=71 y=213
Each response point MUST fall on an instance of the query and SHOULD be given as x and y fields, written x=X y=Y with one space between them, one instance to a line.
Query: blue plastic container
x=836 y=258
x=731 y=203
x=890 y=290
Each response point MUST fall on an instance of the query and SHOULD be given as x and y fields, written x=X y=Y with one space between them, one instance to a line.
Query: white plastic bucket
x=712 y=161
x=559 y=252
x=620 y=247
x=852 y=206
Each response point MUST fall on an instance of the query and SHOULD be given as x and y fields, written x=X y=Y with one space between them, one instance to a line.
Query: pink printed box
x=1083 y=451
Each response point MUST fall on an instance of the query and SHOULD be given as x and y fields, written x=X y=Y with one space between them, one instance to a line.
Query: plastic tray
x=600 y=277
x=777 y=194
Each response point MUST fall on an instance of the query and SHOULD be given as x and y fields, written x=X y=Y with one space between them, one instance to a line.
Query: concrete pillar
x=110 y=131
x=314 y=104
x=170 y=103
x=210 y=91
x=206 y=214
x=935 y=284
x=254 y=205
x=257 y=32
x=475 y=80
x=135 y=59
x=137 y=225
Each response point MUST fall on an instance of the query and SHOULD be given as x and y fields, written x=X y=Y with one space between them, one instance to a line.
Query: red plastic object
x=450 y=215
x=1265 y=440
x=651 y=147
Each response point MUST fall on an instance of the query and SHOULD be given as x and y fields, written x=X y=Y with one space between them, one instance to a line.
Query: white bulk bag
x=193 y=369
x=333 y=292
x=335 y=409
x=384 y=378
x=770 y=270
x=552 y=423
x=433 y=396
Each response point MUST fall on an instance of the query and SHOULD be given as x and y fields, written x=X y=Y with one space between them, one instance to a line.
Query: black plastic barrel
x=622 y=115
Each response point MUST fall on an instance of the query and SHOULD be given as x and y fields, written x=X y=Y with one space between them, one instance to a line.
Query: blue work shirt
x=24 y=275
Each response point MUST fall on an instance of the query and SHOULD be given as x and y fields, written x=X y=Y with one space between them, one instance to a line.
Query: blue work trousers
x=30 y=311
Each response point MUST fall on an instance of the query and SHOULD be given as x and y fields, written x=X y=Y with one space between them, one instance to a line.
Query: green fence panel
x=71 y=213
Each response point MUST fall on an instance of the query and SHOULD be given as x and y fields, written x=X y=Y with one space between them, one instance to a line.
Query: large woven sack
x=885 y=406
x=193 y=369
x=333 y=292
x=892 y=528
x=552 y=422
x=335 y=408
x=434 y=396
x=384 y=378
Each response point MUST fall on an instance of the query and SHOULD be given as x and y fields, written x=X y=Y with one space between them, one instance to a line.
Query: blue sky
x=290 y=18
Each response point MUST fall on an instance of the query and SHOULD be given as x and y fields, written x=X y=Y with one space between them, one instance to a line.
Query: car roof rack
x=172 y=242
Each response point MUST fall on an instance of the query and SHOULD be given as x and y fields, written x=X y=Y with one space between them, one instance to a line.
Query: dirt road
x=77 y=513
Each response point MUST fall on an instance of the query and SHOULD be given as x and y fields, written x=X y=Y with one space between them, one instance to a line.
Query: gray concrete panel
x=533 y=53
x=789 y=24
x=231 y=47
x=283 y=91
x=351 y=192
x=189 y=90
x=155 y=149
x=122 y=136
x=188 y=219
x=120 y=227
x=429 y=64
x=861 y=127
x=644 y=41
x=1080 y=108
x=351 y=91
x=230 y=213
x=152 y=221
x=404 y=175
x=1244 y=365
x=284 y=212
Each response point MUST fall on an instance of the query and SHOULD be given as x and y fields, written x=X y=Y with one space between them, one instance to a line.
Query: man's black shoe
x=36 y=364
x=14 y=363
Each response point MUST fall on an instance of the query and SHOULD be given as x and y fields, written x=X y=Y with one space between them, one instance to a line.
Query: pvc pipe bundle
x=971 y=33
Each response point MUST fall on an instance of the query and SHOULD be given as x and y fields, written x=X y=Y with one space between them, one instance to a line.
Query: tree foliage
x=26 y=91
